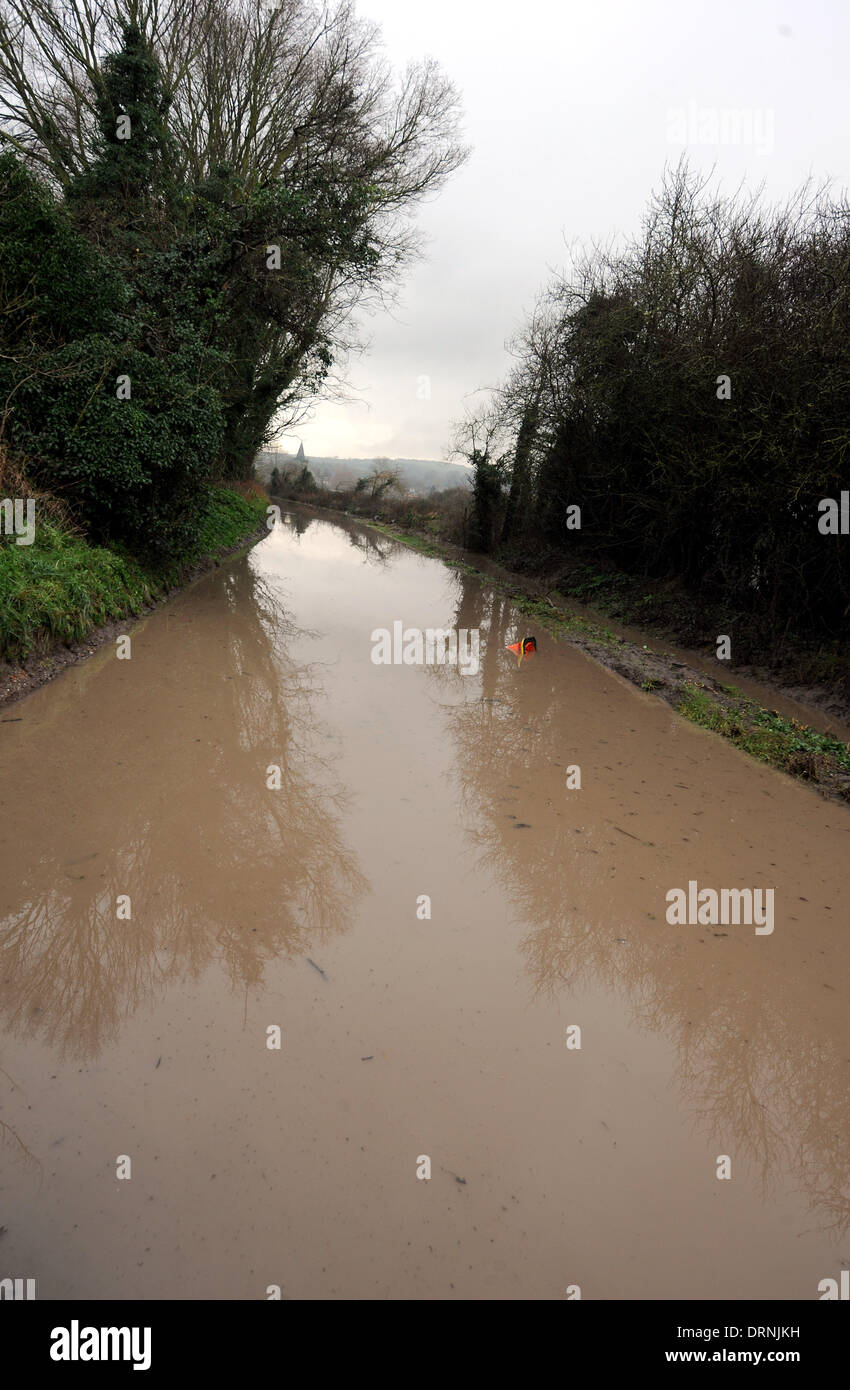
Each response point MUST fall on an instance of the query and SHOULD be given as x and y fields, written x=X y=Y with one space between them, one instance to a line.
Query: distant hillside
x=418 y=475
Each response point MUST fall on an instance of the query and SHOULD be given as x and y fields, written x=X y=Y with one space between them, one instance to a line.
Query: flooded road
x=168 y=900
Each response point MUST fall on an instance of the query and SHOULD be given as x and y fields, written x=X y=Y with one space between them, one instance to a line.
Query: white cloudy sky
x=567 y=106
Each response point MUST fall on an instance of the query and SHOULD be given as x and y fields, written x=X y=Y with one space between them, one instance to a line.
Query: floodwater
x=162 y=908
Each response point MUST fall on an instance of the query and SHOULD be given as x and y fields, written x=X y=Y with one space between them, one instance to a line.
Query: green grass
x=61 y=587
x=229 y=518
x=764 y=734
x=412 y=542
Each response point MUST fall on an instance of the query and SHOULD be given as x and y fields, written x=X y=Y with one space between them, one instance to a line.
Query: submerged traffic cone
x=527 y=647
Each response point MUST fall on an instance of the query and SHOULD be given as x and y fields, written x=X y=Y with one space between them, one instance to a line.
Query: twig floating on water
x=462 y=1181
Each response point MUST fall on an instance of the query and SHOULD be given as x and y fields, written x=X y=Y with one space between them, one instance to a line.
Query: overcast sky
x=571 y=108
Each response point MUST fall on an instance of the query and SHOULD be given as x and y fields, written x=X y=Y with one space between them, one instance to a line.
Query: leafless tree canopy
x=269 y=89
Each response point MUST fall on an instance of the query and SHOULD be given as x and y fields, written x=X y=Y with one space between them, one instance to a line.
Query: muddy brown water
x=404 y=1036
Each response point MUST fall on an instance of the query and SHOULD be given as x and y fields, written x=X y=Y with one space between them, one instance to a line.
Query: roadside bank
x=62 y=598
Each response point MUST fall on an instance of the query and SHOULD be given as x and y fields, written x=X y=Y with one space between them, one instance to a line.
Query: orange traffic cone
x=527 y=647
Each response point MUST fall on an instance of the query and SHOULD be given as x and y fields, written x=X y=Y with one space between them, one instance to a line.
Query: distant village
x=418 y=477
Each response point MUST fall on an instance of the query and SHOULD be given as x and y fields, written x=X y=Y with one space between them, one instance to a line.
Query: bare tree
x=267 y=89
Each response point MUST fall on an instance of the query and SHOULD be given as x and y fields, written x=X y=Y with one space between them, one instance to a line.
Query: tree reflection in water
x=750 y=1071
x=218 y=868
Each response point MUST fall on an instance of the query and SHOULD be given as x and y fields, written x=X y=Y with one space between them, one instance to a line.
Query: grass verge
x=61 y=588
x=766 y=735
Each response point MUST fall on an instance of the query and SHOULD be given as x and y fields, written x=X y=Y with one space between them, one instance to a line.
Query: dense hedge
x=137 y=469
x=132 y=460
x=146 y=344
x=691 y=394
